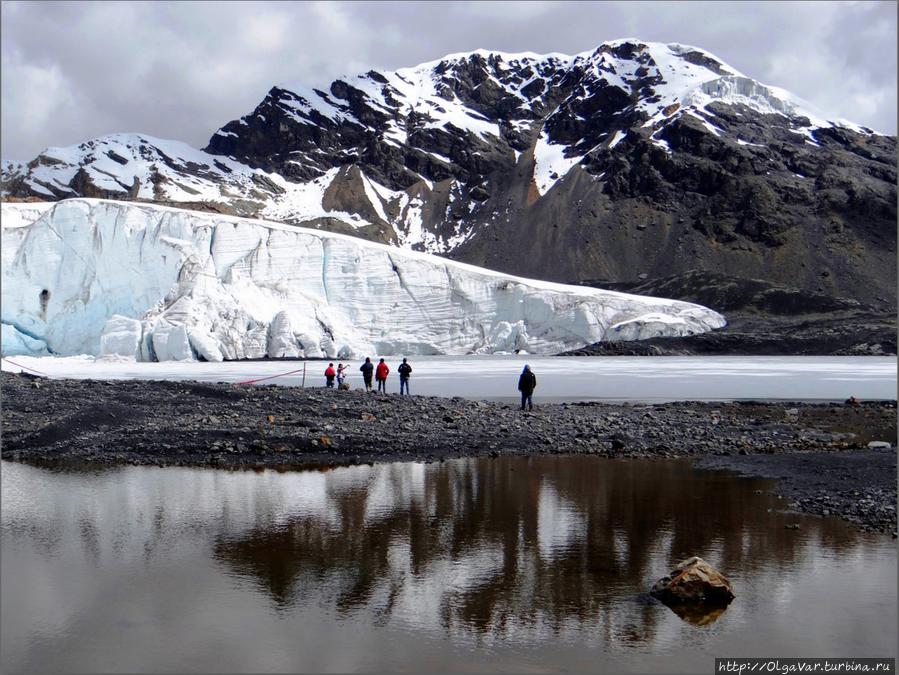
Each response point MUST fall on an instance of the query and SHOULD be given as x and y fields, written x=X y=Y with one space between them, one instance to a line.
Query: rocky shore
x=820 y=451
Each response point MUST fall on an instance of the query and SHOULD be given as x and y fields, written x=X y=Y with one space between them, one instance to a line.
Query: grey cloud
x=75 y=70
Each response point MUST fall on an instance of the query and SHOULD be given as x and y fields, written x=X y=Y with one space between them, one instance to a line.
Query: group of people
x=339 y=374
x=380 y=372
x=527 y=381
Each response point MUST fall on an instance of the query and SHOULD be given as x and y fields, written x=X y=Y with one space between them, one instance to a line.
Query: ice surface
x=16 y=342
x=638 y=378
x=220 y=287
x=121 y=337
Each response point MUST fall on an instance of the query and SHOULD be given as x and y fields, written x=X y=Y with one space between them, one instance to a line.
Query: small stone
x=880 y=444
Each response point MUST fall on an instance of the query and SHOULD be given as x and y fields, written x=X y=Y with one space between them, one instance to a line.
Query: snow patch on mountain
x=157 y=283
x=690 y=85
x=617 y=138
x=143 y=167
x=550 y=163
x=299 y=202
x=10 y=168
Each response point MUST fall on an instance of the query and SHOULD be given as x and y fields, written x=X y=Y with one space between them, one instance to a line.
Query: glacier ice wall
x=101 y=277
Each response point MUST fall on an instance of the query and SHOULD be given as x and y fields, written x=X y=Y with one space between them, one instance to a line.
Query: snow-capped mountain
x=634 y=160
x=157 y=283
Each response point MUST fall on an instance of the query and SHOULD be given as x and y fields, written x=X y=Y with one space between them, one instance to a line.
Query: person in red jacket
x=329 y=376
x=381 y=373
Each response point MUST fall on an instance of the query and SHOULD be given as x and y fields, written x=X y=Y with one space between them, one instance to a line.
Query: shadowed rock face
x=763 y=319
x=634 y=161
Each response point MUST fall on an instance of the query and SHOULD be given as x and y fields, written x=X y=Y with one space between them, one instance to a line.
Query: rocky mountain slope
x=762 y=319
x=629 y=162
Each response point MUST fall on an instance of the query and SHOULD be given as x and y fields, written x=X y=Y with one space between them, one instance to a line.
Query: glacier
x=155 y=283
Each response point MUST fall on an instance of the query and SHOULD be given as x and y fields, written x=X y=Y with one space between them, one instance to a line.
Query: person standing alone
x=527 y=382
x=381 y=375
x=405 y=370
x=367 y=369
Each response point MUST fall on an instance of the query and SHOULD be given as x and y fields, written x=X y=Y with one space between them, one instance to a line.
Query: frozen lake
x=604 y=378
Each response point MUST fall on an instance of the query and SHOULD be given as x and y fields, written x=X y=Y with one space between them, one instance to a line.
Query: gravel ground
x=818 y=450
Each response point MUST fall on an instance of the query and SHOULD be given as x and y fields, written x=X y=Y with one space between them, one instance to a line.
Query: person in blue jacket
x=405 y=370
x=367 y=369
x=527 y=382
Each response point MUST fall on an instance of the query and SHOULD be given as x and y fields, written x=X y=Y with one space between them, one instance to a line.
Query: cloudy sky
x=75 y=70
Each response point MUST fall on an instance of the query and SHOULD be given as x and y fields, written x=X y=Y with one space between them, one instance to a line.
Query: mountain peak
x=582 y=155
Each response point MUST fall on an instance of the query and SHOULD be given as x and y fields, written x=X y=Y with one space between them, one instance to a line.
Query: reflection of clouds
x=471 y=570
x=620 y=547
x=349 y=477
x=713 y=552
x=306 y=495
x=423 y=597
x=511 y=550
x=392 y=487
x=559 y=522
x=659 y=556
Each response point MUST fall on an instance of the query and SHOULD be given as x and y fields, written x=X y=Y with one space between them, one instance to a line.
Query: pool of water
x=508 y=564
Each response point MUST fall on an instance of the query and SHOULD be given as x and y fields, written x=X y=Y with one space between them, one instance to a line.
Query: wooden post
x=304 y=375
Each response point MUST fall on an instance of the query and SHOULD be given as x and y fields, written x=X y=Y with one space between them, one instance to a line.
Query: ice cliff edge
x=86 y=276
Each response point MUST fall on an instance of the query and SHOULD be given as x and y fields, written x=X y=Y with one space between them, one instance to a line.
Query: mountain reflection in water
x=497 y=546
x=533 y=564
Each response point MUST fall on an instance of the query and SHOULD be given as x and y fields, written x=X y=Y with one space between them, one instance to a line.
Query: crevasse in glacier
x=100 y=277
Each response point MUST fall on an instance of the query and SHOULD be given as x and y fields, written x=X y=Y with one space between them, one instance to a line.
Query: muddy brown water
x=508 y=564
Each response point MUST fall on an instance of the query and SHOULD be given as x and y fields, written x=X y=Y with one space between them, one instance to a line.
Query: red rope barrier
x=19 y=365
x=260 y=379
x=271 y=377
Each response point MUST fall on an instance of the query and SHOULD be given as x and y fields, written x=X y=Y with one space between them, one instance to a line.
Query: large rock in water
x=694 y=582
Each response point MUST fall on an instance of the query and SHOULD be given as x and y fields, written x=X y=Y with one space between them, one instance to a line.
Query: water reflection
x=534 y=552
x=494 y=545
x=698 y=615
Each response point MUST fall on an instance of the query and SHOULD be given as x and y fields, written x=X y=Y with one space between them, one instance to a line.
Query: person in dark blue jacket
x=367 y=369
x=405 y=370
x=527 y=382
